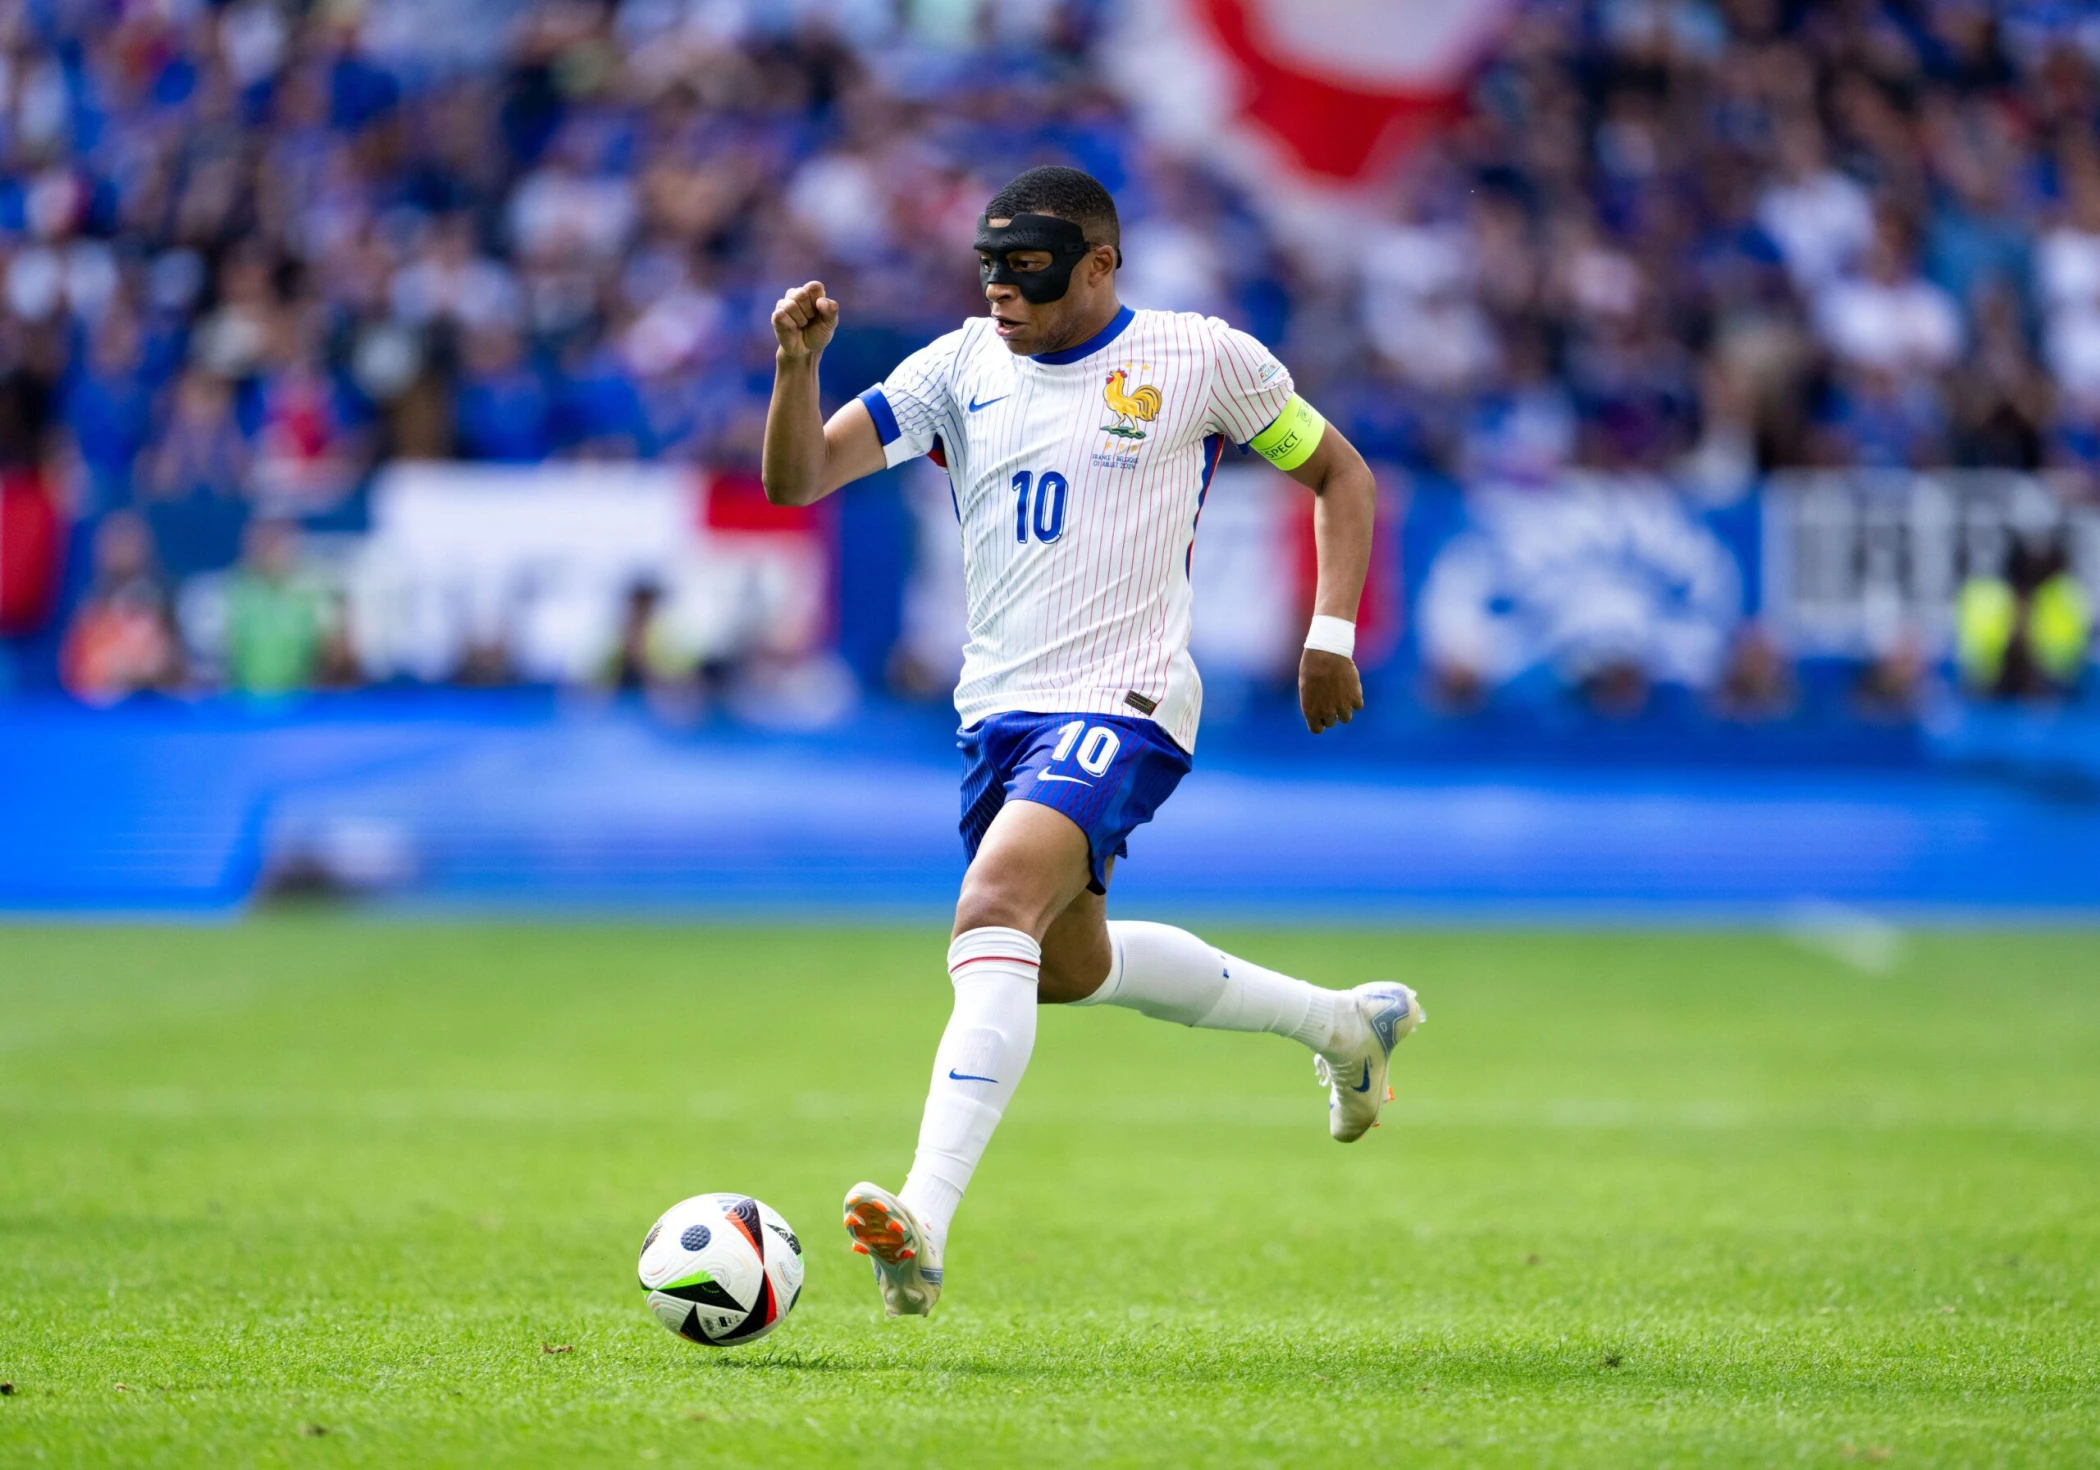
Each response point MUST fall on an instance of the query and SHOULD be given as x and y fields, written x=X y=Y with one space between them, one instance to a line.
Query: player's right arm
x=806 y=458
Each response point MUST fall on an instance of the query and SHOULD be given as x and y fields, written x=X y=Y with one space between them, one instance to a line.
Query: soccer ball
x=721 y=1269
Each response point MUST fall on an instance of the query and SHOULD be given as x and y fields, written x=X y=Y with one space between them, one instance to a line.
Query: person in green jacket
x=2024 y=634
x=276 y=619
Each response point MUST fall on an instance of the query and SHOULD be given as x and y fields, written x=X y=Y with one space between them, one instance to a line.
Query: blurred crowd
x=1754 y=234
x=249 y=250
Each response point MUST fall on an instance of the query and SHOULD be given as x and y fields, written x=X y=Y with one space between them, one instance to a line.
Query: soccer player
x=1079 y=438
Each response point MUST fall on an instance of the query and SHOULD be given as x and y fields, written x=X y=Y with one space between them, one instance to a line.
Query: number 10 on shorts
x=1095 y=751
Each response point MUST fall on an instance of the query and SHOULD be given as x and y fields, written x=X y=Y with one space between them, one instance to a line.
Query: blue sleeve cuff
x=885 y=421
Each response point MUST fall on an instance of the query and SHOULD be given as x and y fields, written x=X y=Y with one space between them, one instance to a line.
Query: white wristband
x=1332 y=635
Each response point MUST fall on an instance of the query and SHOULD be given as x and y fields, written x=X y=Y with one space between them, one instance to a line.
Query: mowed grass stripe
x=318 y=1191
x=541 y=1109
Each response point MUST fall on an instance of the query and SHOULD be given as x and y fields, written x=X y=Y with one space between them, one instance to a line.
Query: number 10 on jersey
x=1048 y=518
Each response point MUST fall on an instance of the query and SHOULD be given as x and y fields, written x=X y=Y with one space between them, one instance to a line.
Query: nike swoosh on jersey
x=1047 y=776
x=975 y=405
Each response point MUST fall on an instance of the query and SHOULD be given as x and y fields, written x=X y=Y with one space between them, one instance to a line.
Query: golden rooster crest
x=1130 y=406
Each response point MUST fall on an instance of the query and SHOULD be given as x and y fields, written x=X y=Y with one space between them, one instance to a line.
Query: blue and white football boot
x=907 y=1259
x=1356 y=1080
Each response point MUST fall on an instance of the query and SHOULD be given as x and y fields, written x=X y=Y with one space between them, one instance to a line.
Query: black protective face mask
x=1064 y=241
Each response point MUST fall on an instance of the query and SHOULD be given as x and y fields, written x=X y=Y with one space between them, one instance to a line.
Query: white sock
x=979 y=1062
x=1172 y=975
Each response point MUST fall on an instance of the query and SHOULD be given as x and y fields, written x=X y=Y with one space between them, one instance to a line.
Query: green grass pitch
x=315 y=1192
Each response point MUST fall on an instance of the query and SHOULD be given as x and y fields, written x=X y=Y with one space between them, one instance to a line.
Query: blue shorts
x=1108 y=773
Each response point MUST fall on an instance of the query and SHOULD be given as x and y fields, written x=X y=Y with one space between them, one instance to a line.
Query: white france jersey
x=1078 y=479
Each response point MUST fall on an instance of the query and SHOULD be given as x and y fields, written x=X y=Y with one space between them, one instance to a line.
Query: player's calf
x=1170 y=974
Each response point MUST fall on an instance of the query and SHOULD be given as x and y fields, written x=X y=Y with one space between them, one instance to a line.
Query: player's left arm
x=1344 y=508
x=1253 y=402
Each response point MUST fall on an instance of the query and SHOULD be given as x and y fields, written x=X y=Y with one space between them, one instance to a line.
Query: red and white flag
x=1314 y=97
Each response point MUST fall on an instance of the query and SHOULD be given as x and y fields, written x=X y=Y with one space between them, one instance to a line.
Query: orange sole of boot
x=875 y=1232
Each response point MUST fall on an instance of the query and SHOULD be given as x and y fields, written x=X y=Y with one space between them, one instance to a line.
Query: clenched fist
x=1329 y=690
x=804 y=321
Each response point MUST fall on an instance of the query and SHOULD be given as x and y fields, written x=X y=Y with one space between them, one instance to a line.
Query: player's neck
x=1088 y=327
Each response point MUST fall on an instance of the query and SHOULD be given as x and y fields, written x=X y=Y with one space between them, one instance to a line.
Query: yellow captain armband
x=1291 y=440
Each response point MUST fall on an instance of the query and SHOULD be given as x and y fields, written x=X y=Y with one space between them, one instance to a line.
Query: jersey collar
x=1091 y=345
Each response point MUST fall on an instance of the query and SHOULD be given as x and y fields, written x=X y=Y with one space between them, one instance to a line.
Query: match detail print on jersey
x=1079 y=477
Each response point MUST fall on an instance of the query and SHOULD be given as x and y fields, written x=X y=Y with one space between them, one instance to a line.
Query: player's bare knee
x=987 y=904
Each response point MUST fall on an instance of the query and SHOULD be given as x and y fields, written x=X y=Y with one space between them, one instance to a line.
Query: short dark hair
x=1068 y=193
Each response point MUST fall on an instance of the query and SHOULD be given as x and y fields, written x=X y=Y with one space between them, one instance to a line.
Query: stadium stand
x=253 y=252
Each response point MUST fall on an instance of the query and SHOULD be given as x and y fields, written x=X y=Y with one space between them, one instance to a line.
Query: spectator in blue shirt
x=504 y=409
